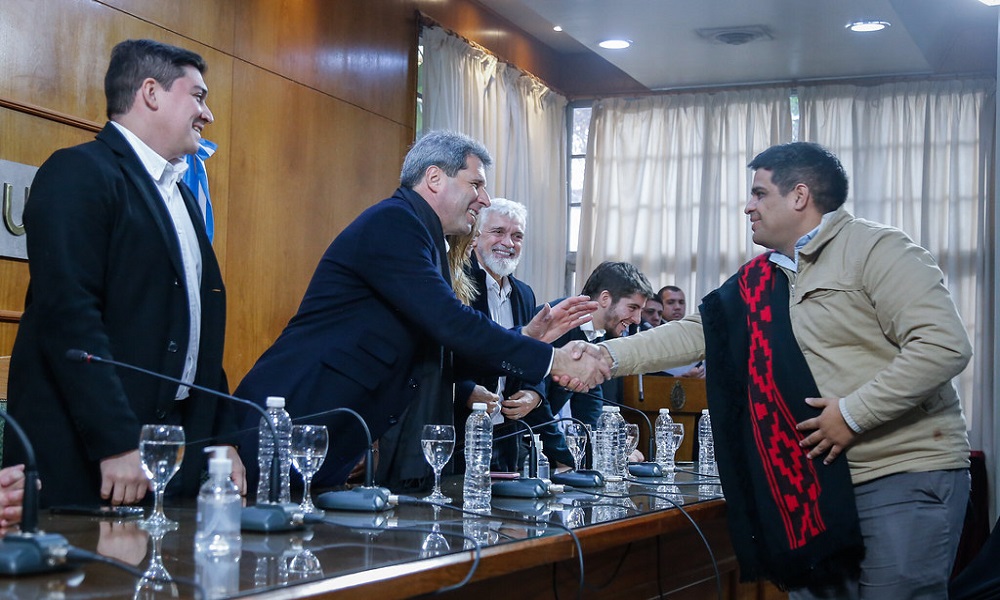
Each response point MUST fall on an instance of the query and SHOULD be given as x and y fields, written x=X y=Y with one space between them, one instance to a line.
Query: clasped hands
x=579 y=366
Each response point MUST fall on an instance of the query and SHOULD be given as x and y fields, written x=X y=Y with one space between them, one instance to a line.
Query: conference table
x=636 y=539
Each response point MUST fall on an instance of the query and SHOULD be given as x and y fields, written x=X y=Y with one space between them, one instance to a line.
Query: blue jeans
x=911 y=524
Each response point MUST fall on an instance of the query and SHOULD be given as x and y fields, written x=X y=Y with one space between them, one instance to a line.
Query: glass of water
x=576 y=441
x=309 y=446
x=161 y=450
x=438 y=442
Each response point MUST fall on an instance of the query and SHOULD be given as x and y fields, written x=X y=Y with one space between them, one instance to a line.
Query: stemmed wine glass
x=438 y=442
x=309 y=446
x=576 y=441
x=161 y=450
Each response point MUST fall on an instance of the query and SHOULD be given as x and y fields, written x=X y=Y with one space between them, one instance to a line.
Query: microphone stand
x=525 y=487
x=264 y=517
x=31 y=551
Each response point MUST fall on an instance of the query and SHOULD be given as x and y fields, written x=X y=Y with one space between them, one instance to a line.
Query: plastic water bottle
x=283 y=427
x=219 y=505
x=476 y=492
x=610 y=444
x=706 y=446
x=664 y=441
x=620 y=445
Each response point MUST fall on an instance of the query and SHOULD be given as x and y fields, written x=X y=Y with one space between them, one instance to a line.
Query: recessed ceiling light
x=867 y=26
x=559 y=27
x=615 y=44
x=991 y=2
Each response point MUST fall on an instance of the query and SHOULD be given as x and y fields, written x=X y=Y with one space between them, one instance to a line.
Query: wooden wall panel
x=309 y=165
x=359 y=52
x=210 y=23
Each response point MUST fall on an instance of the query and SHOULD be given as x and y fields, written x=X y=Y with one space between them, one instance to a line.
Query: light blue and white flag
x=196 y=178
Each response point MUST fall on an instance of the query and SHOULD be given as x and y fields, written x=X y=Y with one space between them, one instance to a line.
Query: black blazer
x=379 y=302
x=106 y=278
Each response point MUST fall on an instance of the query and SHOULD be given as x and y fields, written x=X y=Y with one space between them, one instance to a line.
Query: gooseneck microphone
x=524 y=487
x=266 y=517
x=367 y=498
x=30 y=551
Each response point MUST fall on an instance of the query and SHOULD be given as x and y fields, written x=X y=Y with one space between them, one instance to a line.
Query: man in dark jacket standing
x=121 y=267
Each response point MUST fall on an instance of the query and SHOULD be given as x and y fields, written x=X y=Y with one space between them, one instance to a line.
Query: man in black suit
x=121 y=267
x=381 y=301
x=621 y=291
x=511 y=303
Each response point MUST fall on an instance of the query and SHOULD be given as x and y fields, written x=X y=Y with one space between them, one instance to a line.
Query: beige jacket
x=877 y=328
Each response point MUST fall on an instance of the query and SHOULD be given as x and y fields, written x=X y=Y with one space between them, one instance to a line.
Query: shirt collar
x=502 y=288
x=157 y=166
x=591 y=332
x=792 y=263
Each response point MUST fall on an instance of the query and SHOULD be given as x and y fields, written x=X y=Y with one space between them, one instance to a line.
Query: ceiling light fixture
x=557 y=28
x=615 y=44
x=867 y=26
x=991 y=2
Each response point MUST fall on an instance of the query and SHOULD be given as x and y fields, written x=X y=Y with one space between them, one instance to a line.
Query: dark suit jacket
x=585 y=407
x=380 y=297
x=106 y=277
x=506 y=454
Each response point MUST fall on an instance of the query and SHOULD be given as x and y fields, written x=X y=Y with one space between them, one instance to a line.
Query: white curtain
x=523 y=124
x=667 y=179
x=920 y=156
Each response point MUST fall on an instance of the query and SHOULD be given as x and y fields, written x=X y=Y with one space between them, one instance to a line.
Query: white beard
x=501 y=267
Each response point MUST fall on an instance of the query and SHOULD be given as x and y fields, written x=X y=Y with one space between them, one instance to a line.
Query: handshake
x=579 y=366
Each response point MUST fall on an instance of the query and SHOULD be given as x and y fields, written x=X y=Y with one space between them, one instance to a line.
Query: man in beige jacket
x=882 y=339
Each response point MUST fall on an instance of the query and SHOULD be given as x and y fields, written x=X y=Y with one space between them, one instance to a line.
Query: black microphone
x=367 y=498
x=525 y=487
x=643 y=469
x=31 y=551
x=270 y=516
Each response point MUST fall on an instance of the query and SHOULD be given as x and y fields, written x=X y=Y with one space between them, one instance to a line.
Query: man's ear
x=803 y=196
x=434 y=178
x=604 y=299
x=148 y=93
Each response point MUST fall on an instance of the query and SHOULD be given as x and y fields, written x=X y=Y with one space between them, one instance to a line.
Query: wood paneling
x=210 y=23
x=359 y=52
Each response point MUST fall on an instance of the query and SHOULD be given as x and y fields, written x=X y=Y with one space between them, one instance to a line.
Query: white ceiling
x=809 y=40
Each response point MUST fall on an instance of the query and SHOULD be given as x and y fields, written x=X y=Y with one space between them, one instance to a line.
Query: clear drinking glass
x=576 y=441
x=438 y=442
x=677 y=438
x=631 y=439
x=309 y=446
x=161 y=450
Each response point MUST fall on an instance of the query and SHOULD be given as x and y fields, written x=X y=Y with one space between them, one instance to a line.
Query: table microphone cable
x=701 y=534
